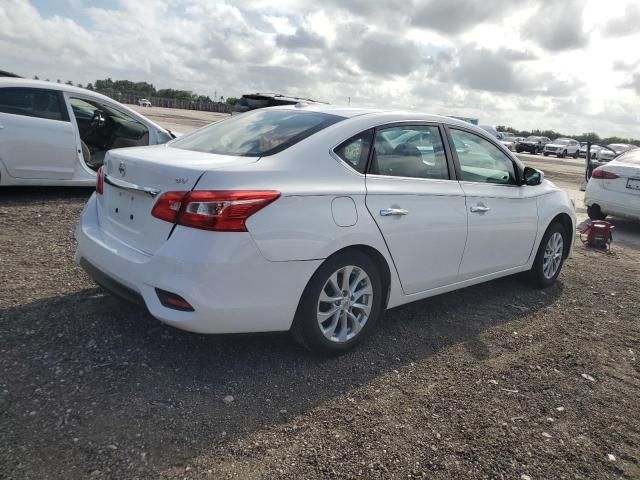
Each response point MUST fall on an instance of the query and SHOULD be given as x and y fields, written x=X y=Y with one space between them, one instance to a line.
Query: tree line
x=585 y=137
x=147 y=90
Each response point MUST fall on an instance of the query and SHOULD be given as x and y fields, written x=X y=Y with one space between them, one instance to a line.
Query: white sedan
x=55 y=134
x=614 y=188
x=314 y=219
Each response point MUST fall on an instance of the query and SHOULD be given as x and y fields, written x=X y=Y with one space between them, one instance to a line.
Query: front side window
x=415 y=151
x=355 y=151
x=481 y=161
x=30 y=102
x=256 y=133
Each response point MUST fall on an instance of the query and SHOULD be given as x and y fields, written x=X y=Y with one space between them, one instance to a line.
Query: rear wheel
x=340 y=305
x=550 y=256
x=595 y=213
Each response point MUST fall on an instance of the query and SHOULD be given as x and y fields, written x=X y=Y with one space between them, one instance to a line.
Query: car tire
x=326 y=326
x=563 y=154
x=595 y=212
x=575 y=155
x=550 y=257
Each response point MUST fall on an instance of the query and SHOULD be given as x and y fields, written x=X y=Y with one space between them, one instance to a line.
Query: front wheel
x=575 y=154
x=563 y=154
x=550 y=256
x=340 y=305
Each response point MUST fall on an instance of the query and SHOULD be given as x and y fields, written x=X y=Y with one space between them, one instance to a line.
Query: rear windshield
x=257 y=133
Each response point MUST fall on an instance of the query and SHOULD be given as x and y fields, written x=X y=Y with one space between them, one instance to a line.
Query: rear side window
x=355 y=151
x=31 y=102
x=257 y=133
x=414 y=151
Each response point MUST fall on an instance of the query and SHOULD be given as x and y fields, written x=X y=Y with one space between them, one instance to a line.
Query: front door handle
x=385 y=212
x=480 y=208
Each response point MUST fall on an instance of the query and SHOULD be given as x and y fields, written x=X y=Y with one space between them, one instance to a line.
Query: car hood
x=555 y=145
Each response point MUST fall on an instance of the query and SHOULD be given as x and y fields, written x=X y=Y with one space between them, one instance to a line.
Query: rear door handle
x=480 y=208
x=385 y=212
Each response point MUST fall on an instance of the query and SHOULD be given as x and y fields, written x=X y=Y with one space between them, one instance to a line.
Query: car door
x=417 y=205
x=502 y=214
x=37 y=140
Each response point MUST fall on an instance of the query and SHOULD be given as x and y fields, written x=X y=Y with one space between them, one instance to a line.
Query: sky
x=568 y=65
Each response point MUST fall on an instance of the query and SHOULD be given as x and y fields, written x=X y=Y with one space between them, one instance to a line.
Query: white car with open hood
x=56 y=134
x=314 y=219
x=614 y=188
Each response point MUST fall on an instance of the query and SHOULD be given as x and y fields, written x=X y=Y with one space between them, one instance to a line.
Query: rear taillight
x=603 y=174
x=221 y=211
x=100 y=181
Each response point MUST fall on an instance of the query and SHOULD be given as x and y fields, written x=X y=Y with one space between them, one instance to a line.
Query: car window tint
x=481 y=161
x=355 y=151
x=415 y=151
x=31 y=102
x=256 y=133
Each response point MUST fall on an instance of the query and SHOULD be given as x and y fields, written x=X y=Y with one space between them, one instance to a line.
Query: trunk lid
x=628 y=180
x=134 y=180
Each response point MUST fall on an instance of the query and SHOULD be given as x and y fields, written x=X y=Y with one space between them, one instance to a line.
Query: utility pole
x=348 y=100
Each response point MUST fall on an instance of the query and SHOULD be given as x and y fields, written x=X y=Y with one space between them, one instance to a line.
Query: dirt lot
x=494 y=381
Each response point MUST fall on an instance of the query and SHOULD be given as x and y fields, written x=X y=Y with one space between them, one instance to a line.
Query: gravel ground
x=494 y=381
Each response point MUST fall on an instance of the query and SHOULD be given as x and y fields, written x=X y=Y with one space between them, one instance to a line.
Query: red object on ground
x=598 y=234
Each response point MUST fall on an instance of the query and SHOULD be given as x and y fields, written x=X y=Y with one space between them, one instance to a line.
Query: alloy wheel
x=552 y=255
x=345 y=304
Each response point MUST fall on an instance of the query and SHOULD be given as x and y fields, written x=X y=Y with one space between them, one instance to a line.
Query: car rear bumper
x=230 y=285
x=612 y=202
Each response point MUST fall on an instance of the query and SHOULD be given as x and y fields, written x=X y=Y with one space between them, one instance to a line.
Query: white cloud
x=534 y=64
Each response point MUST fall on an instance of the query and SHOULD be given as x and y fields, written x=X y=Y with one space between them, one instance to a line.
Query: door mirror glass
x=532 y=176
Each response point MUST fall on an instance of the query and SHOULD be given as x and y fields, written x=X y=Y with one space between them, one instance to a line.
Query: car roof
x=387 y=115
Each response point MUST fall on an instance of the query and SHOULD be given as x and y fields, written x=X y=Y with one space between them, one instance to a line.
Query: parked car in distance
x=532 y=144
x=509 y=141
x=57 y=134
x=333 y=203
x=611 y=151
x=614 y=188
x=143 y=102
x=254 y=101
x=595 y=148
x=561 y=147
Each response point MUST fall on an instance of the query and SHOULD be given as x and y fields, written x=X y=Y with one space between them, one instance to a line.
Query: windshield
x=533 y=139
x=561 y=141
x=256 y=133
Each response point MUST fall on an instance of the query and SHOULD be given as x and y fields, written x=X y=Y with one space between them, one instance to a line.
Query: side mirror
x=532 y=176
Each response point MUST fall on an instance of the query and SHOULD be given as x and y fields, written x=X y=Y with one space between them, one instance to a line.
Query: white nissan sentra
x=314 y=219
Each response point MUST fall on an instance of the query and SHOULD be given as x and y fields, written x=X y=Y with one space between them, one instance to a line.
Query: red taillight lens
x=168 y=206
x=603 y=174
x=100 y=181
x=221 y=211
